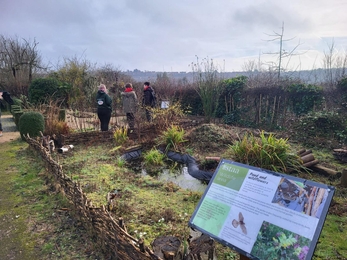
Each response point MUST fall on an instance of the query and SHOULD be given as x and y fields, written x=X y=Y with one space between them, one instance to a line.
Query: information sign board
x=262 y=214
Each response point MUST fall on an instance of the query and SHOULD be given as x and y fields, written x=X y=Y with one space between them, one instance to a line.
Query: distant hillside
x=139 y=75
x=309 y=76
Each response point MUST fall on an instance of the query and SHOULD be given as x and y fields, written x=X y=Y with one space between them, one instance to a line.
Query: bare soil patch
x=9 y=136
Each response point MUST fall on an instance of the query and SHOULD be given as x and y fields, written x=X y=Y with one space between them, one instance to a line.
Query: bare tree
x=165 y=87
x=19 y=61
x=282 y=53
x=334 y=64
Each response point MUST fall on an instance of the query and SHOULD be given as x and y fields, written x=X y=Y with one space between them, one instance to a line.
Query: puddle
x=182 y=179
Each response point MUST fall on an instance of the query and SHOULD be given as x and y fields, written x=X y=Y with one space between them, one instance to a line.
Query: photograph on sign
x=248 y=209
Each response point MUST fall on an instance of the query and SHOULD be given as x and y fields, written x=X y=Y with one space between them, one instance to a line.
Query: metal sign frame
x=243 y=206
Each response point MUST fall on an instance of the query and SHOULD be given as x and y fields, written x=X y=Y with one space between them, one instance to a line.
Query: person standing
x=129 y=100
x=4 y=95
x=104 y=103
x=148 y=100
x=0 y=114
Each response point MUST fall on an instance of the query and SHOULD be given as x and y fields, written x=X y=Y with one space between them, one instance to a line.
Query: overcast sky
x=165 y=36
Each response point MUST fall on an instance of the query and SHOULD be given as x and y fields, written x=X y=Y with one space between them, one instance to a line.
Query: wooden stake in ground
x=344 y=178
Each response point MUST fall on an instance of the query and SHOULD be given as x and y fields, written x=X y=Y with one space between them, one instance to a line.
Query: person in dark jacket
x=0 y=114
x=104 y=103
x=4 y=95
x=129 y=100
x=148 y=100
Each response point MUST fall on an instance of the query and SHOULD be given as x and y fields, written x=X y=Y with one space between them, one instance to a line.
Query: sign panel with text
x=263 y=214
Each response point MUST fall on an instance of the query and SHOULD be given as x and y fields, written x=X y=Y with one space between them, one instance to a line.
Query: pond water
x=181 y=178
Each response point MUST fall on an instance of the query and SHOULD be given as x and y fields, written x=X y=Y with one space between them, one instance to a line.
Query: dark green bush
x=190 y=100
x=304 y=97
x=42 y=89
x=232 y=118
x=326 y=125
x=231 y=96
x=31 y=123
x=16 y=116
x=15 y=108
x=17 y=102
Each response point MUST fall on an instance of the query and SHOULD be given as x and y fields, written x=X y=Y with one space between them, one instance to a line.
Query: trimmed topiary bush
x=31 y=123
x=16 y=116
x=15 y=108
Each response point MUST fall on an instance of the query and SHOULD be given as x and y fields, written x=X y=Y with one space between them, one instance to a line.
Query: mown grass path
x=13 y=216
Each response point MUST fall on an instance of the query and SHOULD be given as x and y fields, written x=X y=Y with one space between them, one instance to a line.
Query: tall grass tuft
x=164 y=118
x=154 y=157
x=266 y=152
x=120 y=135
x=172 y=137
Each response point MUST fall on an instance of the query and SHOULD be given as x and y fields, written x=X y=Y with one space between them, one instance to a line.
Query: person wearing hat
x=104 y=103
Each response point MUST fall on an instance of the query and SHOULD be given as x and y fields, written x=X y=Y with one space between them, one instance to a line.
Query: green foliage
x=154 y=157
x=75 y=72
x=62 y=115
x=120 y=162
x=17 y=116
x=120 y=135
x=342 y=84
x=231 y=95
x=266 y=152
x=15 y=108
x=342 y=89
x=42 y=89
x=232 y=117
x=208 y=87
x=17 y=102
x=190 y=99
x=172 y=137
x=325 y=124
x=31 y=123
x=304 y=97
x=23 y=102
x=164 y=118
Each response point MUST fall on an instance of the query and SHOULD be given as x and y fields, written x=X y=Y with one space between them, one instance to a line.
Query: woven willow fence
x=114 y=242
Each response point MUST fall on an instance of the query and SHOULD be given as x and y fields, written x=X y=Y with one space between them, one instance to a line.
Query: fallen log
x=310 y=163
x=325 y=170
x=340 y=154
x=305 y=153
x=340 y=150
x=301 y=151
x=307 y=158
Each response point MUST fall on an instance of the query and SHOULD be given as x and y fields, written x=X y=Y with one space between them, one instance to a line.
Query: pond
x=181 y=178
